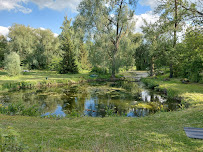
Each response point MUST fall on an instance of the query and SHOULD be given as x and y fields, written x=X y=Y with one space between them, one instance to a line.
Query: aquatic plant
x=19 y=109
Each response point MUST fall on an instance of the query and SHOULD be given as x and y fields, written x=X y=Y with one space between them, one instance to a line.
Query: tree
x=36 y=47
x=12 y=64
x=152 y=35
x=22 y=41
x=68 y=64
x=190 y=55
x=172 y=14
x=83 y=57
x=112 y=18
x=194 y=11
x=142 y=56
x=47 y=48
x=3 y=45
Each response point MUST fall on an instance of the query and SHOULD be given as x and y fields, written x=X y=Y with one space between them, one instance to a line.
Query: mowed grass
x=159 y=132
x=41 y=75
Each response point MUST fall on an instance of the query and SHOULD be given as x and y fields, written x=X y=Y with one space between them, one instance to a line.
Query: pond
x=122 y=98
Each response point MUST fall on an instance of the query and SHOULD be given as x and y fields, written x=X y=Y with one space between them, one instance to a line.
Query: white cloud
x=57 y=4
x=154 y=3
x=151 y=3
x=15 y=5
x=149 y=17
x=41 y=28
x=55 y=34
x=18 y=5
x=4 y=30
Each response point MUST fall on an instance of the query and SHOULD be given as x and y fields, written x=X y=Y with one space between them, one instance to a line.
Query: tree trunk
x=171 y=70
x=174 y=38
x=152 y=67
x=113 y=64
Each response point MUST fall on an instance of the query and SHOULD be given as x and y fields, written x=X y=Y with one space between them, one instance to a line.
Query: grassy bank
x=160 y=132
x=41 y=78
x=37 y=75
x=190 y=94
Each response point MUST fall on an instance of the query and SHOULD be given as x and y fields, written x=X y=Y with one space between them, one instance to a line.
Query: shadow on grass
x=2 y=73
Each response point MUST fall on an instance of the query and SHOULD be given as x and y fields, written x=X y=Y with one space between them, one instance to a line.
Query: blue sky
x=49 y=14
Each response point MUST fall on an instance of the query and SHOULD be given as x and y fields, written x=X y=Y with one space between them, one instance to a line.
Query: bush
x=99 y=70
x=12 y=64
x=55 y=64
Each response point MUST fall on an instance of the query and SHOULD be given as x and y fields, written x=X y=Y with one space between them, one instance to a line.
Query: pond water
x=123 y=98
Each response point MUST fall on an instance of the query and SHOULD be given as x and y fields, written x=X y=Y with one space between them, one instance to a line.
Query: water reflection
x=95 y=99
x=58 y=112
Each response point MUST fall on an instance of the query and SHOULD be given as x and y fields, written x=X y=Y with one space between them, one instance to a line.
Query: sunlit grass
x=191 y=93
x=162 y=131
x=37 y=75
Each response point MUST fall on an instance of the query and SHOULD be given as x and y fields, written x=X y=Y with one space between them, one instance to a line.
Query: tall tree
x=110 y=17
x=68 y=64
x=22 y=40
x=172 y=14
x=47 y=47
x=3 y=45
x=190 y=55
x=152 y=35
x=36 y=47
x=83 y=57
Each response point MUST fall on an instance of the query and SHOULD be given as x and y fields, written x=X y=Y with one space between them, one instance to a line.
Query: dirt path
x=137 y=75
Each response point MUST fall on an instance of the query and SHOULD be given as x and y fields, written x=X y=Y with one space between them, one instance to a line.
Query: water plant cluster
x=19 y=109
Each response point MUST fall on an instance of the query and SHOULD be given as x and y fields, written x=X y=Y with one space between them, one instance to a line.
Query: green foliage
x=99 y=70
x=68 y=64
x=190 y=56
x=12 y=64
x=3 y=45
x=47 y=48
x=142 y=58
x=108 y=25
x=55 y=64
x=36 y=47
x=83 y=57
x=19 y=109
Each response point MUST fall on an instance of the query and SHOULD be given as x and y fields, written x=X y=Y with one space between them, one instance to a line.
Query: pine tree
x=68 y=64
x=83 y=57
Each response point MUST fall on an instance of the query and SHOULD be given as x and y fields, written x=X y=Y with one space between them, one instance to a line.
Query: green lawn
x=39 y=75
x=159 y=132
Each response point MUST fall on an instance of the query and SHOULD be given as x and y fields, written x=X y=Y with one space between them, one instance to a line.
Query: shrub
x=99 y=70
x=12 y=64
x=55 y=64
